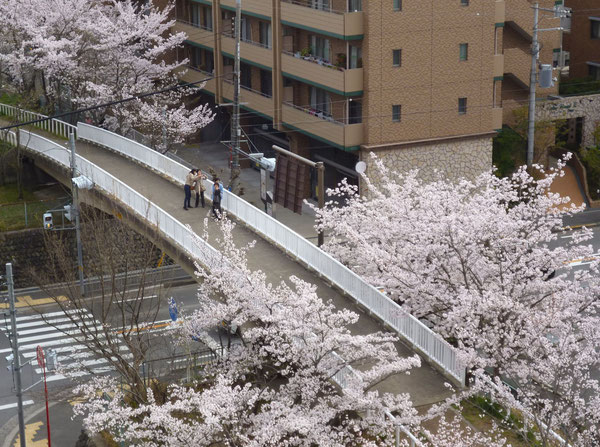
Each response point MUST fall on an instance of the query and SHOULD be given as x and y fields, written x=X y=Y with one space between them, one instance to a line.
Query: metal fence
x=184 y=237
x=54 y=126
x=410 y=329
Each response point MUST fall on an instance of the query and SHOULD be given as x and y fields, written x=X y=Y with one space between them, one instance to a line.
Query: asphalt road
x=33 y=331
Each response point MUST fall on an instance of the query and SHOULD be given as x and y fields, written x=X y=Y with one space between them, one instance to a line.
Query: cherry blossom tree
x=295 y=375
x=82 y=53
x=479 y=260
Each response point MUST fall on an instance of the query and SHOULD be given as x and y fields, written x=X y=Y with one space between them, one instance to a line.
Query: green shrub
x=590 y=158
x=579 y=86
x=509 y=151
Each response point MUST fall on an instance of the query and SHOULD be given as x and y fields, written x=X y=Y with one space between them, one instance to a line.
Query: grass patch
x=10 y=194
x=482 y=413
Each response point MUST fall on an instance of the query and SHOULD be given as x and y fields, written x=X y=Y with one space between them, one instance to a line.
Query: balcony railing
x=195 y=25
x=315 y=112
x=309 y=4
x=315 y=60
x=231 y=35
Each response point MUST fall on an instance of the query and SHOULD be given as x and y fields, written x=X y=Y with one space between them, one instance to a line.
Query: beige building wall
x=429 y=82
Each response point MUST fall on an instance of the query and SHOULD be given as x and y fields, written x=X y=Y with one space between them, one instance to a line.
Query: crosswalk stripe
x=15 y=405
x=57 y=331
x=47 y=328
x=50 y=314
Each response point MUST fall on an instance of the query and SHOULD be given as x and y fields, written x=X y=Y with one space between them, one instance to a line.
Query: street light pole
x=75 y=209
x=235 y=119
x=15 y=349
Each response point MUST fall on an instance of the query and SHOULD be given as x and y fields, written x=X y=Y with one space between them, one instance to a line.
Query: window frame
x=397 y=52
x=465 y=46
x=462 y=107
x=397 y=5
x=397 y=113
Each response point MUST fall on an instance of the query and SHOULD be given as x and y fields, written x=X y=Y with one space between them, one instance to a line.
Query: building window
x=266 y=83
x=246 y=30
x=265 y=34
x=396 y=113
x=245 y=75
x=397 y=5
x=320 y=101
x=464 y=2
x=397 y=56
x=355 y=57
x=595 y=28
x=354 y=5
x=195 y=14
x=462 y=106
x=323 y=5
x=463 y=53
x=320 y=47
x=594 y=71
x=207 y=22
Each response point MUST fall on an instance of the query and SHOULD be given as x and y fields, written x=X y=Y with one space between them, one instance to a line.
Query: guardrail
x=50 y=125
x=410 y=329
x=180 y=234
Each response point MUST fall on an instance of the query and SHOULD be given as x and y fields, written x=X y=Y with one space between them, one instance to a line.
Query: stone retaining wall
x=455 y=158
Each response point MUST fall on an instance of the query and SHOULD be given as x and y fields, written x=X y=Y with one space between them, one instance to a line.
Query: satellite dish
x=360 y=167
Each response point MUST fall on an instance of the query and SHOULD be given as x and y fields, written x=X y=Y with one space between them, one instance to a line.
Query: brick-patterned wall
x=579 y=42
x=431 y=78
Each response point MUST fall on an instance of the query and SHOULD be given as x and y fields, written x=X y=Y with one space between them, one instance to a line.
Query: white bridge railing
x=181 y=235
x=410 y=329
x=54 y=126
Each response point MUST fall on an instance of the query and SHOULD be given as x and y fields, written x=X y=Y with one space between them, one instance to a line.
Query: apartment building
x=419 y=83
x=583 y=41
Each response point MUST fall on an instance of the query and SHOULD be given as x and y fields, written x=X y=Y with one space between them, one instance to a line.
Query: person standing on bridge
x=187 y=188
x=217 y=195
x=199 y=187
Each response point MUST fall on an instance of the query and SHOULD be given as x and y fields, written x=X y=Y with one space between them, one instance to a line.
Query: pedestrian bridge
x=149 y=186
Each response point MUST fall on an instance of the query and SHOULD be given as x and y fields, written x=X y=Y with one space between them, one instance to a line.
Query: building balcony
x=195 y=34
x=315 y=72
x=326 y=129
x=498 y=65
x=257 y=8
x=191 y=74
x=517 y=62
x=253 y=53
x=253 y=100
x=337 y=24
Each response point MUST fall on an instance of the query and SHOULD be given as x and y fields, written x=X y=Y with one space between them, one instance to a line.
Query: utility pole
x=535 y=50
x=75 y=208
x=545 y=74
x=235 y=119
x=15 y=349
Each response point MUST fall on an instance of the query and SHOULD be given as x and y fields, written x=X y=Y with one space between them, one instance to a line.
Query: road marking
x=30 y=432
x=15 y=405
x=583 y=261
x=27 y=301
x=51 y=314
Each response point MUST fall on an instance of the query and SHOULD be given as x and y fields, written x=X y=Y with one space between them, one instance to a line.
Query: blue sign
x=173 y=309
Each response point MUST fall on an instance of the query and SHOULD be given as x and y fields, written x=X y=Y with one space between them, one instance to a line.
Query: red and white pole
x=42 y=364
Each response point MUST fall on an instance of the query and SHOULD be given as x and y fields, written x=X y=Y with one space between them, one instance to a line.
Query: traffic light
x=10 y=359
